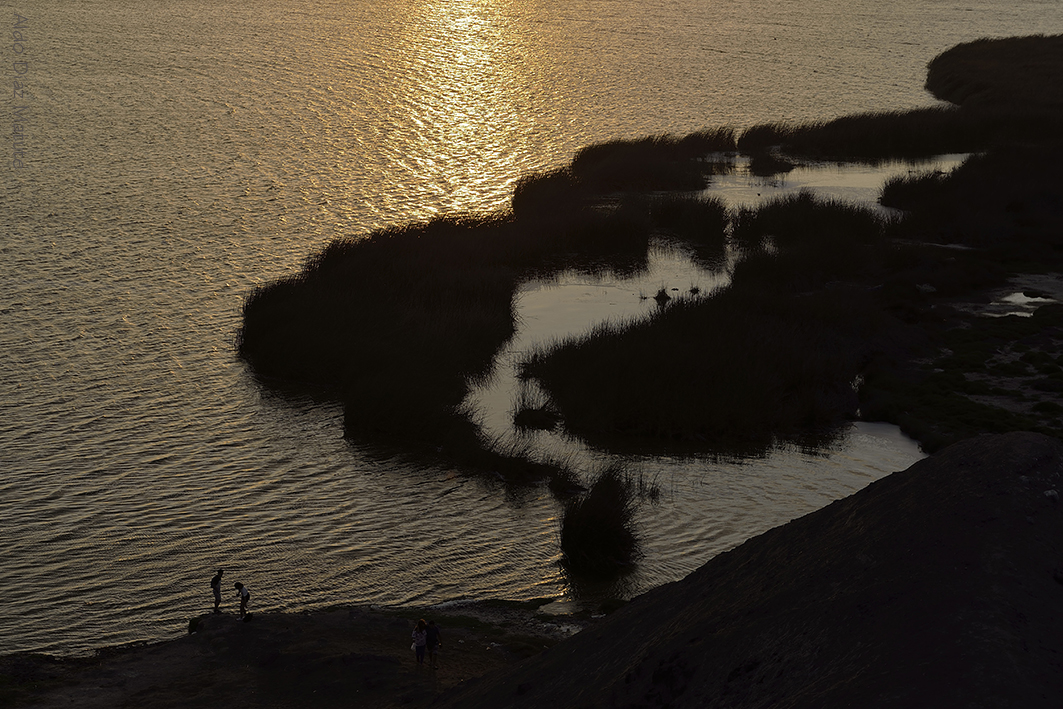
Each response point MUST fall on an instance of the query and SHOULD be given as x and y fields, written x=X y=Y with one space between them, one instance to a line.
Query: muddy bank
x=342 y=657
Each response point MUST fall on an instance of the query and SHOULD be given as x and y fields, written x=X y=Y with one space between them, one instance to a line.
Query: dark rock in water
x=766 y=164
x=935 y=586
x=539 y=419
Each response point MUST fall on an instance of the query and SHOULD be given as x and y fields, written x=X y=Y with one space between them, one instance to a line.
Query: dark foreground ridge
x=937 y=586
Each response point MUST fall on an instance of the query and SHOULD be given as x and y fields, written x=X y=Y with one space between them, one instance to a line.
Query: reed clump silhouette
x=532 y=411
x=815 y=242
x=397 y=323
x=598 y=539
x=651 y=164
x=734 y=373
x=1004 y=203
x=875 y=137
x=699 y=224
x=772 y=358
x=603 y=173
x=961 y=234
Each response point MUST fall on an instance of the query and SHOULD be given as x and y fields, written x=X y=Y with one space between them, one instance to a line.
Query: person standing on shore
x=420 y=640
x=215 y=586
x=433 y=642
x=245 y=596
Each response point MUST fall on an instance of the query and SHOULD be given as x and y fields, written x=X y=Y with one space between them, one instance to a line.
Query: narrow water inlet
x=567 y=306
x=706 y=506
x=856 y=183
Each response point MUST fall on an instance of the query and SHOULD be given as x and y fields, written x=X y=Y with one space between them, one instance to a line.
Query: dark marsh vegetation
x=871 y=298
x=834 y=312
x=397 y=322
x=771 y=358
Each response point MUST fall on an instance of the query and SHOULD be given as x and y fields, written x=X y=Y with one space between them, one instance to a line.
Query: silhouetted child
x=245 y=596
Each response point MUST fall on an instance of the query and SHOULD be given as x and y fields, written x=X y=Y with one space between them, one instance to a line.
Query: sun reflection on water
x=462 y=106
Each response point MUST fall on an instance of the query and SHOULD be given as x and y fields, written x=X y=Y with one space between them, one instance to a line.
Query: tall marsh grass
x=1007 y=202
x=921 y=133
x=731 y=373
x=805 y=221
x=698 y=221
x=650 y=164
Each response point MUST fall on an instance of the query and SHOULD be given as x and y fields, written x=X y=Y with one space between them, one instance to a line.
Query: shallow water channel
x=573 y=303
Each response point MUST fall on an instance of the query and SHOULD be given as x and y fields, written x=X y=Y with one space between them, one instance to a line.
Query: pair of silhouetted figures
x=426 y=638
x=245 y=595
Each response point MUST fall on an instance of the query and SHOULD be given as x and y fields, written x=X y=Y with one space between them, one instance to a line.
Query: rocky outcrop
x=937 y=586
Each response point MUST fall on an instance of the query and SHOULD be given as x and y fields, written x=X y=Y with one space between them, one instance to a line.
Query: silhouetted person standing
x=432 y=641
x=245 y=596
x=215 y=586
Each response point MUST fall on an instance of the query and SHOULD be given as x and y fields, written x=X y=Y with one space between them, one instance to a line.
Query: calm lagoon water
x=179 y=155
